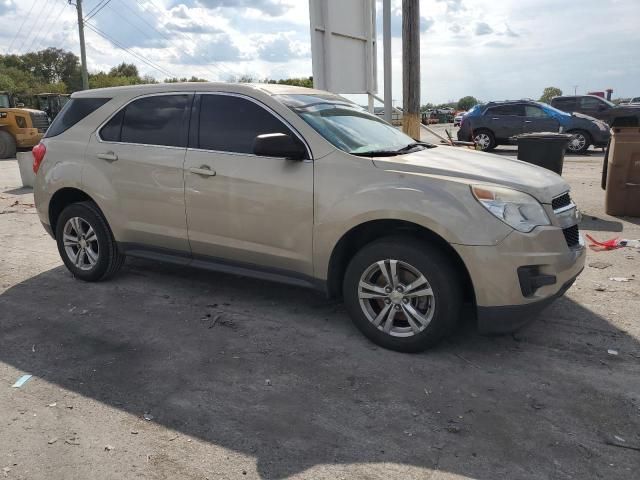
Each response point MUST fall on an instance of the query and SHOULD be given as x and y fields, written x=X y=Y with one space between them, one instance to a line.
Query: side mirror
x=602 y=108
x=19 y=105
x=279 y=145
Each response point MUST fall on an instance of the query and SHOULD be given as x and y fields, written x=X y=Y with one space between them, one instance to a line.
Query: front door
x=537 y=120
x=241 y=207
x=505 y=120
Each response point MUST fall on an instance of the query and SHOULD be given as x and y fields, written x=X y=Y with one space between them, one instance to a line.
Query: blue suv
x=495 y=123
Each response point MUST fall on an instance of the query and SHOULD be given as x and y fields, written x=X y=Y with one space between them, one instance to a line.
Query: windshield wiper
x=377 y=153
x=414 y=145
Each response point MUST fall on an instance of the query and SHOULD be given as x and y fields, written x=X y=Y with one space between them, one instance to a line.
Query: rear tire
x=86 y=244
x=580 y=142
x=414 y=311
x=7 y=145
x=485 y=139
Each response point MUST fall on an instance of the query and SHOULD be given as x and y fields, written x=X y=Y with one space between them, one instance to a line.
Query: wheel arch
x=64 y=197
x=367 y=232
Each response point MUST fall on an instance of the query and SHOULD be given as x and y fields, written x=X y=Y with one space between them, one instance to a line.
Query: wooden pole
x=411 y=68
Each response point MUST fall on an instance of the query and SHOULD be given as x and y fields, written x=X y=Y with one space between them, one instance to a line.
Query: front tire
x=402 y=294
x=580 y=142
x=86 y=244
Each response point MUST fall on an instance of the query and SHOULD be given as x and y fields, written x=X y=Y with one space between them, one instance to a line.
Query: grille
x=39 y=121
x=572 y=236
x=561 y=201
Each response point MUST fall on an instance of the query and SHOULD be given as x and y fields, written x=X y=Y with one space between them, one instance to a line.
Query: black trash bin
x=545 y=149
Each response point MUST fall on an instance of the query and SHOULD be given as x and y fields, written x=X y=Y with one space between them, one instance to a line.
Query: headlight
x=603 y=126
x=517 y=209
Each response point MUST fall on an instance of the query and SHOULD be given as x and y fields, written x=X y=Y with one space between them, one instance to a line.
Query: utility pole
x=411 y=68
x=386 y=39
x=83 y=53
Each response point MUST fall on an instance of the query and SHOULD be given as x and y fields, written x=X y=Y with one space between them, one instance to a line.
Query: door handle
x=527 y=121
x=108 y=156
x=495 y=118
x=204 y=170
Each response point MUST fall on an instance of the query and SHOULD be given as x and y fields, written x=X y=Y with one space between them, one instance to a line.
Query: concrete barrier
x=25 y=164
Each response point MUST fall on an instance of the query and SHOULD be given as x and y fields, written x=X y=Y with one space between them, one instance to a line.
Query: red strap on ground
x=597 y=246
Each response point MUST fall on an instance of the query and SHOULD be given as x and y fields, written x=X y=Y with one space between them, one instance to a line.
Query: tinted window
x=506 y=110
x=566 y=104
x=591 y=103
x=157 y=120
x=231 y=124
x=74 y=111
x=111 y=131
x=533 y=111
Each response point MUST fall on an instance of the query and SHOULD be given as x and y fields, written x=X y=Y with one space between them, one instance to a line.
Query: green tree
x=7 y=83
x=465 y=103
x=125 y=70
x=549 y=93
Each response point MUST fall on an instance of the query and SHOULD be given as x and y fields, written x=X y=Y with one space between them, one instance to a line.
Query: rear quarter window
x=75 y=110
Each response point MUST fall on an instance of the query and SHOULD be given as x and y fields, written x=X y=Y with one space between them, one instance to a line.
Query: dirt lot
x=176 y=373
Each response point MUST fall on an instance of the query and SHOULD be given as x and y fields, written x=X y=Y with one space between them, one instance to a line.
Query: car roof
x=268 y=88
x=511 y=102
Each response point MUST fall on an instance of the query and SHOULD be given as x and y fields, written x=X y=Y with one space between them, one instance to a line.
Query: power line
x=35 y=29
x=40 y=36
x=90 y=15
x=219 y=66
x=28 y=34
x=129 y=51
x=21 y=25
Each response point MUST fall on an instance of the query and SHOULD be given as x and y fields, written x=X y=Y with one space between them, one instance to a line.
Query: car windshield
x=348 y=126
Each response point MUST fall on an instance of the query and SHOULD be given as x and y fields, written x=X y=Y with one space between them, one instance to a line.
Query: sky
x=493 y=50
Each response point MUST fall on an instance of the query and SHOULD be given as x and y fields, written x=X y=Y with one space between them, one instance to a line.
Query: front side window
x=75 y=110
x=533 y=111
x=231 y=124
x=347 y=126
x=157 y=120
x=592 y=103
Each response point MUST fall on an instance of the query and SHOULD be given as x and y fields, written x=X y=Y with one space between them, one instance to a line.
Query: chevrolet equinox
x=304 y=187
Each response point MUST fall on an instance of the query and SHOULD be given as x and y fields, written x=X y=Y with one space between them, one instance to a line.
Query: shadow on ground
x=280 y=374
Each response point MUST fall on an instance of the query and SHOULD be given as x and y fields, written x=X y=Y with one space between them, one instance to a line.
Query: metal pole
x=386 y=39
x=411 y=68
x=83 y=53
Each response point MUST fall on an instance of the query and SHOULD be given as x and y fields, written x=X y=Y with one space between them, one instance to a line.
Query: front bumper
x=500 y=297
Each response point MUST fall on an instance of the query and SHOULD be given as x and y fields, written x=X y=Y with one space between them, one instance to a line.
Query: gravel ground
x=168 y=372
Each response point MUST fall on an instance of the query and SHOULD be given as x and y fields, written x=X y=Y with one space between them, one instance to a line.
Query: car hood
x=478 y=167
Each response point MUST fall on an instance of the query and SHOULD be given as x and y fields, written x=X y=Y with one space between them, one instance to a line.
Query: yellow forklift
x=19 y=127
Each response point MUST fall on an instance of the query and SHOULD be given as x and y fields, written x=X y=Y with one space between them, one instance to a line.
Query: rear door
x=537 y=120
x=135 y=161
x=241 y=207
x=505 y=120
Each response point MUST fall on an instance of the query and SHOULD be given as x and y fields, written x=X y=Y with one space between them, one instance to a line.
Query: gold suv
x=304 y=187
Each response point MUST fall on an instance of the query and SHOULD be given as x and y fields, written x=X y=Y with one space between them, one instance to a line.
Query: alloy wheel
x=396 y=298
x=577 y=143
x=81 y=243
x=483 y=140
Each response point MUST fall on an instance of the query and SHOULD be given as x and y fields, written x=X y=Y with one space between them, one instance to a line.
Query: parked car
x=495 y=123
x=632 y=101
x=304 y=187
x=596 y=107
x=458 y=118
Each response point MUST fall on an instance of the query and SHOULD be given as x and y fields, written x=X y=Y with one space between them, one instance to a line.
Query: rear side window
x=74 y=111
x=533 y=111
x=506 y=110
x=157 y=120
x=231 y=124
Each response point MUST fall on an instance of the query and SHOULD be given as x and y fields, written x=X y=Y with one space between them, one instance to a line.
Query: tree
x=465 y=103
x=549 y=93
x=124 y=70
x=7 y=83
